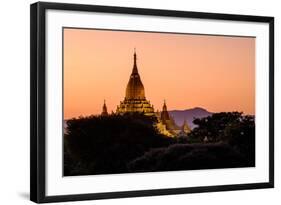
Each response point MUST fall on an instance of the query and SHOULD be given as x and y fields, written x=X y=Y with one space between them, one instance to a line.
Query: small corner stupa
x=104 y=110
x=135 y=100
x=168 y=121
x=185 y=127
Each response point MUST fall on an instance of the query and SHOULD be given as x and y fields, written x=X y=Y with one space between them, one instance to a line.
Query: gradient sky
x=213 y=72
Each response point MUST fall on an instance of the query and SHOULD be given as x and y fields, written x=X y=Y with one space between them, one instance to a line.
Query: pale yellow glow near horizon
x=213 y=72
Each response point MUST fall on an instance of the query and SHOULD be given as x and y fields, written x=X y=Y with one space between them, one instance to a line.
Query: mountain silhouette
x=189 y=115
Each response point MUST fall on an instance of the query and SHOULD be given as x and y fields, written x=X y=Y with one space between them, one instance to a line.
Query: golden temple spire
x=135 y=88
x=135 y=100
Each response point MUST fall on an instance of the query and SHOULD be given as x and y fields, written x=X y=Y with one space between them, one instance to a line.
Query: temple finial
x=135 y=57
x=135 y=70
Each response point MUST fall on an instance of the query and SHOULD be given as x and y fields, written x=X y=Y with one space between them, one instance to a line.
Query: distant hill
x=189 y=115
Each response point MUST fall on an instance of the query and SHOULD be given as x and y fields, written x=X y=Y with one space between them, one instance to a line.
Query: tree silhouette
x=232 y=128
x=131 y=143
x=189 y=157
x=105 y=144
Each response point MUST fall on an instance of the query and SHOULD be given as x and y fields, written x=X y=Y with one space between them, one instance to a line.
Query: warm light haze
x=213 y=72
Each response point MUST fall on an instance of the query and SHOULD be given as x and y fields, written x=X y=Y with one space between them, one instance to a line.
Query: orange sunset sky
x=213 y=72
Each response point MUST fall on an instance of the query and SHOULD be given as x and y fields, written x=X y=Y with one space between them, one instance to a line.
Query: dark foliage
x=189 y=157
x=241 y=136
x=130 y=143
x=213 y=126
x=230 y=143
x=106 y=144
x=232 y=128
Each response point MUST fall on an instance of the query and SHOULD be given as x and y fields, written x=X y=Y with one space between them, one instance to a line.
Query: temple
x=135 y=100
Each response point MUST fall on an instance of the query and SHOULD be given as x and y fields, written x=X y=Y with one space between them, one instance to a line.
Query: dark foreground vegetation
x=130 y=143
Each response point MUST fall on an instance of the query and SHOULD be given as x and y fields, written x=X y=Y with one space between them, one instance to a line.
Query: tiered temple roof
x=135 y=100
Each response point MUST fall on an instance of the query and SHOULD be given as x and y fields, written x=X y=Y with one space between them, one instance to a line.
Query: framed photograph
x=129 y=102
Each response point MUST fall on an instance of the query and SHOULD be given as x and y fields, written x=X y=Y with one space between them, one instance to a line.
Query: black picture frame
x=38 y=103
